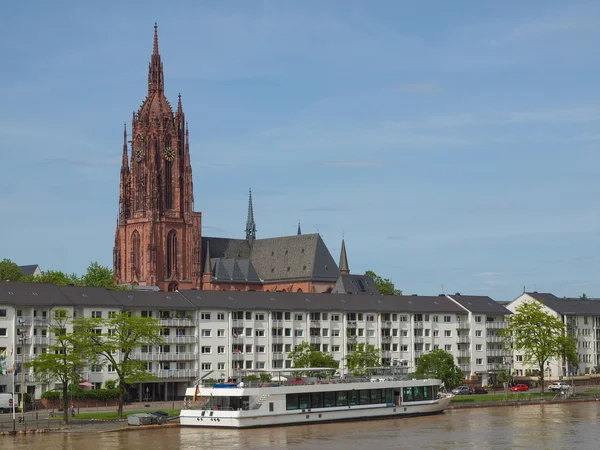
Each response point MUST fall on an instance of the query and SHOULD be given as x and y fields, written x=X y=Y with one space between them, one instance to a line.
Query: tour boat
x=305 y=400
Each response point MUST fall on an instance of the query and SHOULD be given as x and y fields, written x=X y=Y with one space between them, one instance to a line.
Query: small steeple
x=207 y=262
x=250 y=225
x=155 y=69
x=179 y=107
x=344 y=269
x=125 y=163
x=299 y=230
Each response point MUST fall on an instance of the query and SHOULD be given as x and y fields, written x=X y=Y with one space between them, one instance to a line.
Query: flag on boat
x=196 y=392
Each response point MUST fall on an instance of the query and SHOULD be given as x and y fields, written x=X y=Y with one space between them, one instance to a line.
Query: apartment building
x=582 y=319
x=222 y=334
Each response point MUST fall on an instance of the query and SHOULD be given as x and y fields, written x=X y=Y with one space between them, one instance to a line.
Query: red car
x=519 y=388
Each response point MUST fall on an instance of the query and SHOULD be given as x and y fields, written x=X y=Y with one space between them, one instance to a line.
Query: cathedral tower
x=158 y=236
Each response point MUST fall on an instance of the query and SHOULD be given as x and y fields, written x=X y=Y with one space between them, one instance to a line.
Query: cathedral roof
x=297 y=257
x=355 y=284
x=234 y=271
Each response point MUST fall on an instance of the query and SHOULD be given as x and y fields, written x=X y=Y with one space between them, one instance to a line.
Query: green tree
x=9 y=271
x=55 y=277
x=583 y=297
x=538 y=336
x=99 y=276
x=305 y=356
x=385 y=286
x=440 y=364
x=124 y=333
x=361 y=358
x=63 y=358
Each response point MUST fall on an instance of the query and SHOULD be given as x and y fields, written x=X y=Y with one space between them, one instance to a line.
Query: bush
x=94 y=394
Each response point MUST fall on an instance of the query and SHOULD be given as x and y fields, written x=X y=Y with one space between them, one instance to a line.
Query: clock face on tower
x=139 y=153
x=169 y=154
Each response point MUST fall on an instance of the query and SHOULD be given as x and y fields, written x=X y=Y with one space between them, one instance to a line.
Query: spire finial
x=179 y=107
x=155 y=50
x=344 y=269
x=125 y=163
x=250 y=225
x=299 y=230
x=155 y=70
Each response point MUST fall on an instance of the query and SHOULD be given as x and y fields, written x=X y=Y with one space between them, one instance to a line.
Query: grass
x=500 y=397
x=112 y=415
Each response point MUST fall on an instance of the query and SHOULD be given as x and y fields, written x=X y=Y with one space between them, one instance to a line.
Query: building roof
x=32 y=294
x=567 y=306
x=279 y=259
x=355 y=284
x=29 y=269
x=479 y=304
x=234 y=271
x=152 y=300
x=289 y=301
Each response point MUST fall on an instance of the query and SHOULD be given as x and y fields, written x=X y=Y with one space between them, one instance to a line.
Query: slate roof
x=288 y=301
x=297 y=257
x=234 y=271
x=480 y=304
x=154 y=300
x=567 y=306
x=28 y=270
x=355 y=284
x=32 y=294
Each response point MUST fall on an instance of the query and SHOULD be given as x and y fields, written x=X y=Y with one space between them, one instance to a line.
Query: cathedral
x=158 y=239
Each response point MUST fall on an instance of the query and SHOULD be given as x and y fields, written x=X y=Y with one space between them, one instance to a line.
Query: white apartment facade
x=222 y=334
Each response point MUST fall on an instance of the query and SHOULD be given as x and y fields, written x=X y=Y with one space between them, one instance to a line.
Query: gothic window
x=171 y=253
x=168 y=185
x=136 y=255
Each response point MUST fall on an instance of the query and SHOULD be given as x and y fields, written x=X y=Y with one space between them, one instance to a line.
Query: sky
x=454 y=145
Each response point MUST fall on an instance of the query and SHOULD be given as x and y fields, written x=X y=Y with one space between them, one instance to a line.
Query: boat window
x=303 y=400
x=316 y=400
x=341 y=398
x=375 y=395
x=271 y=407
x=389 y=396
x=353 y=398
x=365 y=398
x=328 y=399
x=291 y=401
x=419 y=393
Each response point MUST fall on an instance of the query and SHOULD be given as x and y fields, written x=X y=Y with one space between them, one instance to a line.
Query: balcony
x=386 y=337
x=179 y=339
x=237 y=338
x=315 y=339
x=277 y=356
x=498 y=353
x=465 y=367
x=175 y=373
x=464 y=339
x=40 y=340
x=496 y=325
x=419 y=353
x=418 y=339
x=352 y=337
x=493 y=338
x=386 y=325
x=178 y=323
x=495 y=367
x=386 y=354
x=237 y=356
x=352 y=323
x=237 y=323
x=462 y=325
x=277 y=339
x=164 y=356
x=463 y=353
x=419 y=325
x=315 y=324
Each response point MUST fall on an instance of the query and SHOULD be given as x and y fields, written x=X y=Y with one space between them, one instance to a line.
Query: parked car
x=519 y=388
x=461 y=390
x=559 y=386
x=477 y=390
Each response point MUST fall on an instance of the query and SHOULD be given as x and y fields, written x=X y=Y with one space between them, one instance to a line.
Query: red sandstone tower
x=158 y=236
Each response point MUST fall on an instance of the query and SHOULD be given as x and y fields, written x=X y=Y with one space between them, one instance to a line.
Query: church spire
x=299 y=230
x=250 y=225
x=155 y=70
x=179 y=107
x=125 y=163
x=344 y=269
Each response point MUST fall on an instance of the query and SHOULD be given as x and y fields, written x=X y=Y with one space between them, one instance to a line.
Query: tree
x=9 y=271
x=305 y=356
x=385 y=286
x=538 y=335
x=583 y=297
x=63 y=358
x=99 y=276
x=55 y=277
x=123 y=334
x=440 y=364
x=363 y=357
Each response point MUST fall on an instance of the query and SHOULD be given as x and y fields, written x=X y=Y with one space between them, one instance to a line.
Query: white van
x=6 y=403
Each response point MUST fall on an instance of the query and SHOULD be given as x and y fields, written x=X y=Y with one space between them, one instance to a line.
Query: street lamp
x=22 y=341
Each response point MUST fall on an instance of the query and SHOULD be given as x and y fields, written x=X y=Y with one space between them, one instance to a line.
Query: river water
x=558 y=426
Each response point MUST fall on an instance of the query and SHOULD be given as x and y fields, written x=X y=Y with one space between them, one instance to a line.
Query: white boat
x=305 y=400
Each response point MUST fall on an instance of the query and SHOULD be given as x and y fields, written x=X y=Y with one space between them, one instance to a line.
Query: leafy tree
x=305 y=356
x=63 y=358
x=99 y=276
x=55 y=277
x=440 y=364
x=363 y=357
x=9 y=271
x=385 y=286
x=124 y=333
x=583 y=297
x=538 y=335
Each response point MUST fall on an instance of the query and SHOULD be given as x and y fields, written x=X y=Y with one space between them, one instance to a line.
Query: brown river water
x=558 y=426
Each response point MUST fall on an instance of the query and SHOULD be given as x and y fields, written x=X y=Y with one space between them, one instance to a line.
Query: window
x=206 y=333
x=325 y=332
x=371 y=333
x=2 y=331
x=248 y=348
x=478 y=347
x=298 y=316
x=404 y=333
x=95 y=330
x=477 y=333
x=260 y=365
x=361 y=332
x=427 y=347
x=427 y=332
x=298 y=333
x=260 y=349
x=146 y=314
x=97 y=314
x=447 y=333
x=288 y=332
x=206 y=350
x=259 y=316
x=519 y=358
x=206 y=366
x=370 y=318
x=360 y=317
x=448 y=348
x=165 y=331
x=221 y=349
x=325 y=348
x=404 y=348
x=479 y=361
x=111 y=368
x=260 y=333
x=335 y=333
x=146 y=349
x=220 y=333
x=324 y=316
x=478 y=319
x=205 y=316
x=248 y=315
x=248 y=364
x=220 y=316
x=249 y=332
x=221 y=366
x=112 y=332
x=335 y=317
x=335 y=348
x=434 y=318
x=112 y=314
x=395 y=347
x=287 y=317
x=2 y=313
x=403 y=318
x=447 y=319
